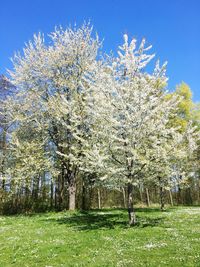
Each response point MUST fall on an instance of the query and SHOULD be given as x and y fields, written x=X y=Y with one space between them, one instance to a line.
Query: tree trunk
x=188 y=196
x=198 y=190
x=86 y=195
x=83 y=205
x=124 y=196
x=131 y=211
x=62 y=186
x=56 y=196
x=35 y=191
x=147 y=197
x=162 y=202
x=171 y=198
x=99 y=198
x=59 y=191
x=51 y=203
x=72 y=192
x=179 y=200
x=43 y=188
x=27 y=193
x=140 y=192
x=3 y=161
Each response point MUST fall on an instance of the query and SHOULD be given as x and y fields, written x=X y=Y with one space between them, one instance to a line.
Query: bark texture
x=131 y=211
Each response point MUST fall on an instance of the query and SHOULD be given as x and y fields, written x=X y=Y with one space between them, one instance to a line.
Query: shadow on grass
x=147 y=210
x=102 y=220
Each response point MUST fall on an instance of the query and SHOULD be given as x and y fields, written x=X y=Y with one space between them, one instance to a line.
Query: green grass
x=102 y=238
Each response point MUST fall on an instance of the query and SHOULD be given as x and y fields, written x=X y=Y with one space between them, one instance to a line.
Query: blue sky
x=171 y=26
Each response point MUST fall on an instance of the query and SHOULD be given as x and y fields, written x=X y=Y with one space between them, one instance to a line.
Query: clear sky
x=171 y=26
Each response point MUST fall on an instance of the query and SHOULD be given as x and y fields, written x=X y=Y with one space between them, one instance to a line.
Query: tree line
x=83 y=129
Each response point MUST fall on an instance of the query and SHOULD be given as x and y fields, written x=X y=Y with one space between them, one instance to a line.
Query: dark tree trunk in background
x=188 y=196
x=43 y=187
x=3 y=160
x=131 y=211
x=147 y=197
x=162 y=196
x=27 y=194
x=56 y=196
x=162 y=200
x=62 y=186
x=84 y=205
x=179 y=201
x=141 y=193
x=86 y=195
x=51 y=197
x=35 y=191
x=198 y=191
x=59 y=191
x=124 y=197
x=99 y=198
x=171 y=198
x=72 y=191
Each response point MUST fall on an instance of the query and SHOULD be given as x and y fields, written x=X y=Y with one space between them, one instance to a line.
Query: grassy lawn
x=102 y=238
